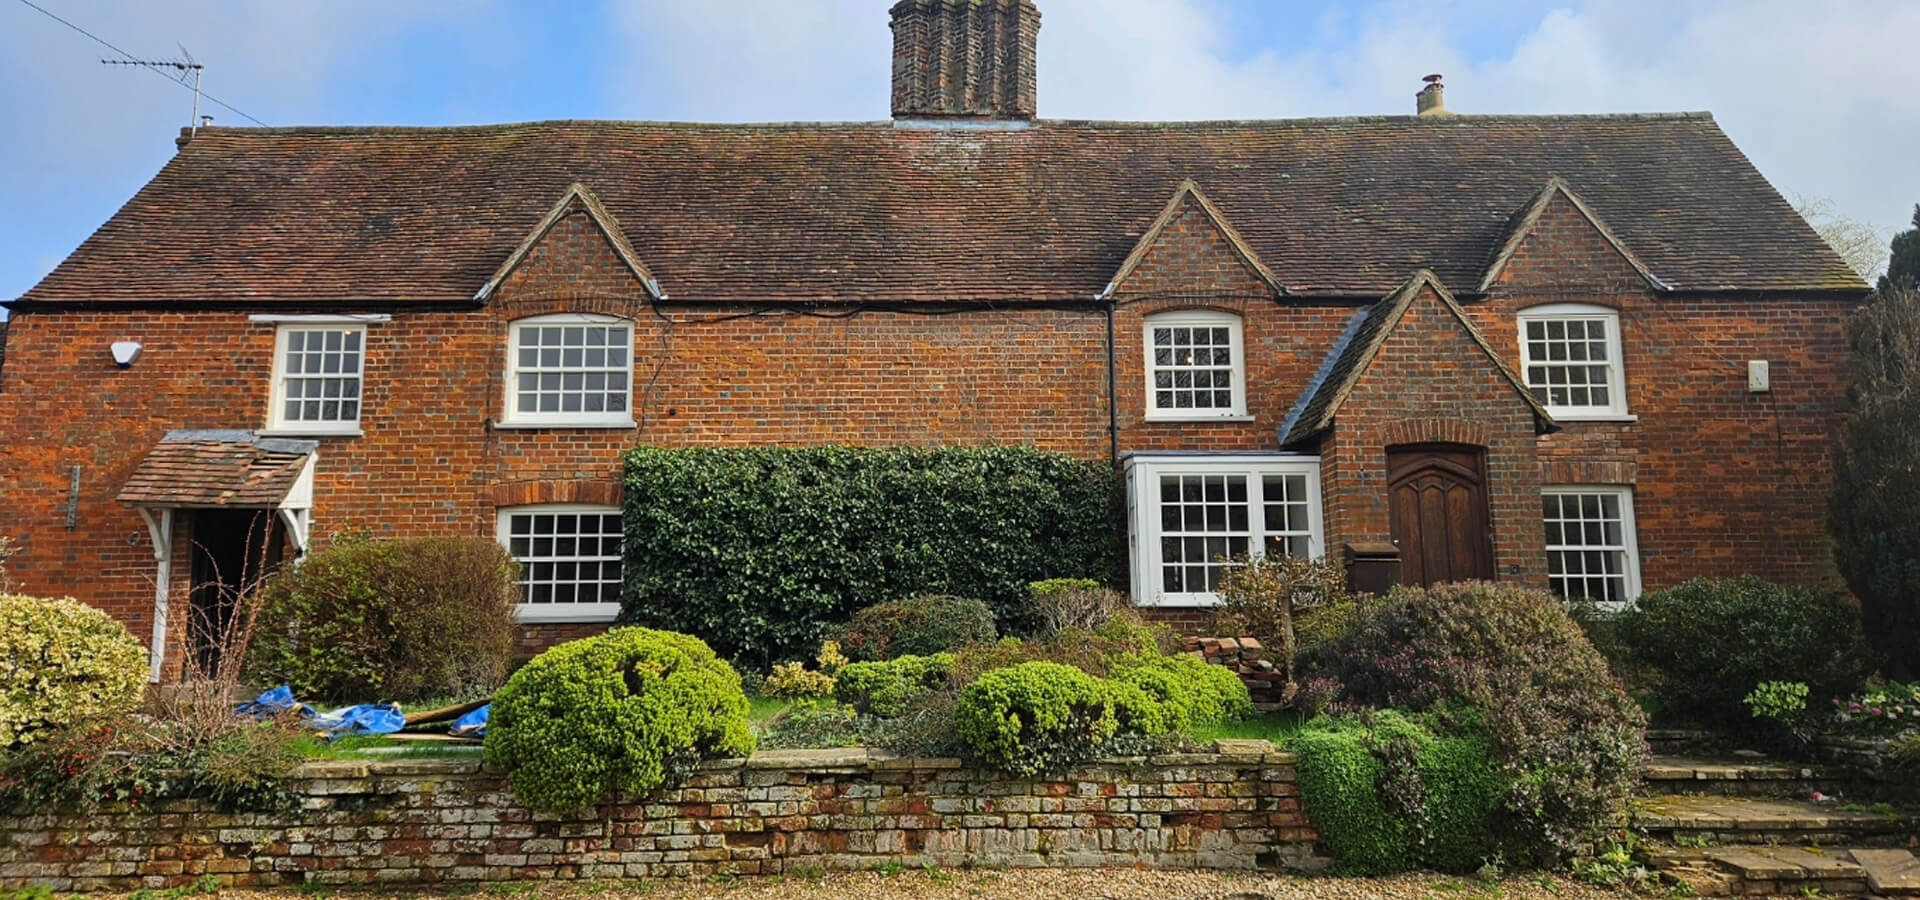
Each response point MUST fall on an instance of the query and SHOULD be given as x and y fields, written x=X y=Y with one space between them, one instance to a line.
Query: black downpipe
x=1113 y=389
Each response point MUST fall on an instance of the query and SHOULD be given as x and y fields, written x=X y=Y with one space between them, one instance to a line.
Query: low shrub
x=63 y=663
x=1879 y=710
x=1569 y=741
x=916 y=626
x=890 y=689
x=1707 y=643
x=794 y=681
x=1122 y=640
x=1069 y=604
x=1388 y=794
x=394 y=620
x=186 y=741
x=625 y=711
x=1194 y=692
x=1041 y=717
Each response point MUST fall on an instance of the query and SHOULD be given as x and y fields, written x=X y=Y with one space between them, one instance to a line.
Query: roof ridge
x=888 y=125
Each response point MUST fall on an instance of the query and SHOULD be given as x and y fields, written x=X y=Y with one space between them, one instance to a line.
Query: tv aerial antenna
x=185 y=70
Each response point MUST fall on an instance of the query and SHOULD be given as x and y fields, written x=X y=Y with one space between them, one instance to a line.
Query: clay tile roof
x=872 y=212
x=217 y=468
x=1356 y=349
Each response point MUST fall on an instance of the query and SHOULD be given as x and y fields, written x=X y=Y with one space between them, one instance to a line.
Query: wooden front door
x=1437 y=496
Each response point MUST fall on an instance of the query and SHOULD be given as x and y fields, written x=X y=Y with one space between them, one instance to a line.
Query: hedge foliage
x=1707 y=643
x=1388 y=794
x=625 y=711
x=917 y=626
x=763 y=550
x=63 y=663
x=1568 y=739
x=1041 y=717
x=1876 y=536
x=390 y=620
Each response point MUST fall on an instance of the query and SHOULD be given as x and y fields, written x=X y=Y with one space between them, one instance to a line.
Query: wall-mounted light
x=125 y=352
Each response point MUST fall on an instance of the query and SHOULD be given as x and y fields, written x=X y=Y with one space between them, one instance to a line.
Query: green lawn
x=761 y=710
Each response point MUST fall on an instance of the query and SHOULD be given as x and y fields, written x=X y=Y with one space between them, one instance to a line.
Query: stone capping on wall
x=428 y=821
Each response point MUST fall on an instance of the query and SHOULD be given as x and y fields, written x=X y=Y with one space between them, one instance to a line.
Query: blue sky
x=1819 y=95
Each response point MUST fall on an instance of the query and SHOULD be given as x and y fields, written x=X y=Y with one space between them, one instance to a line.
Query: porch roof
x=223 y=468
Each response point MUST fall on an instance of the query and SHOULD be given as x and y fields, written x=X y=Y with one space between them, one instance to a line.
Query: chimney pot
x=964 y=59
x=1432 y=99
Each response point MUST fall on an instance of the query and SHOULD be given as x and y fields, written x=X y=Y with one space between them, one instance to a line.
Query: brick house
x=1591 y=353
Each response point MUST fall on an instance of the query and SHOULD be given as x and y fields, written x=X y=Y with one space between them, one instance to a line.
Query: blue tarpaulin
x=371 y=718
x=473 y=724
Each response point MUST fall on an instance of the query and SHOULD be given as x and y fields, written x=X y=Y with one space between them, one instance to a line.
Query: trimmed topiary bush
x=889 y=689
x=1193 y=691
x=622 y=712
x=1707 y=643
x=1041 y=717
x=394 y=620
x=1388 y=794
x=1568 y=740
x=63 y=663
x=916 y=626
x=762 y=551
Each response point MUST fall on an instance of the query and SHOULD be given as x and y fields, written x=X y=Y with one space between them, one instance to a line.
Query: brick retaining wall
x=430 y=821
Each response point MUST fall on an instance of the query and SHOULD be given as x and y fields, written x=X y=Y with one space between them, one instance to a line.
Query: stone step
x=1694 y=820
x=1891 y=872
x=1807 y=871
x=1749 y=778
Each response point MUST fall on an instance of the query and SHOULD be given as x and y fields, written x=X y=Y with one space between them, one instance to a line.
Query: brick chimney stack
x=1432 y=99
x=964 y=59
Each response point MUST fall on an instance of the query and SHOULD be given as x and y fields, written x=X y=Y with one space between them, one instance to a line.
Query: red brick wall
x=1726 y=481
x=1430 y=383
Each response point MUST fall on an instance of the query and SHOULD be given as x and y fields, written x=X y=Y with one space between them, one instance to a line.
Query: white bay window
x=1193 y=515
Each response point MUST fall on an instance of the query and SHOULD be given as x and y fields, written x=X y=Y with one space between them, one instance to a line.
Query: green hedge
x=762 y=551
x=1389 y=794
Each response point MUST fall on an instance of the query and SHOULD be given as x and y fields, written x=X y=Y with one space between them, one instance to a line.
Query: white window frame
x=1237 y=344
x=1629 y=534
x=556 y=612
x=1616 y=407
x=1143 y=473
x=277 y=421
x=512 y=417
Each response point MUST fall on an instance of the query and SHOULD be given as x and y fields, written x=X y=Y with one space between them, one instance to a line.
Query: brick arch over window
x=549 y=302
x=584 y=492
x=1434 y=431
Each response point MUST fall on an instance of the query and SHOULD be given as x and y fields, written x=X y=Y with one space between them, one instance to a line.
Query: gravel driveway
x=1026 y=884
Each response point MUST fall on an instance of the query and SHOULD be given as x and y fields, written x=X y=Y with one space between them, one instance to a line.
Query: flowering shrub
x=1889 y=709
